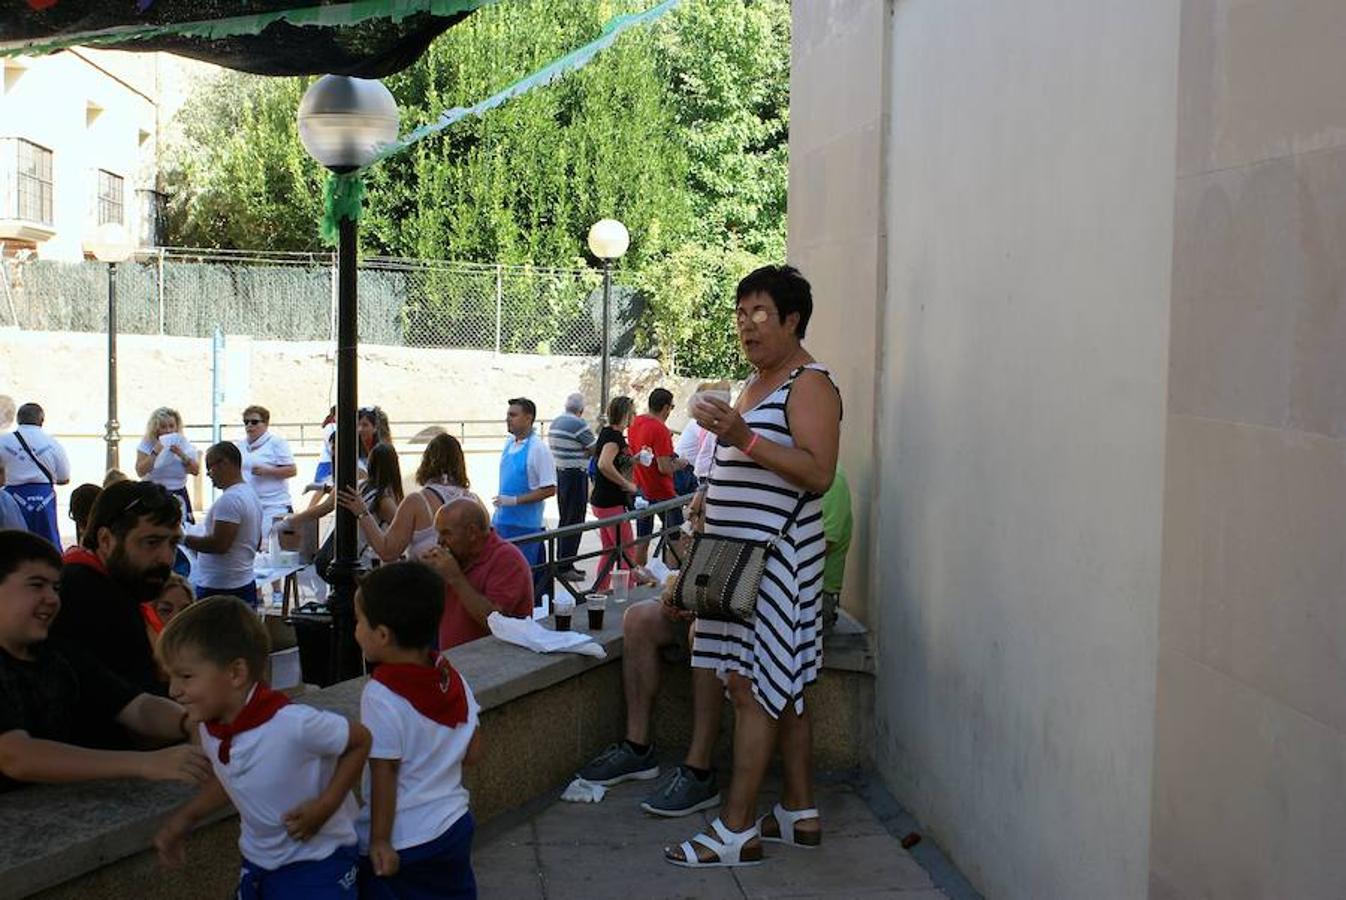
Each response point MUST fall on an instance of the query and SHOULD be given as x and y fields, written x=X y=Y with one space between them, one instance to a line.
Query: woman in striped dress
x=776 y=455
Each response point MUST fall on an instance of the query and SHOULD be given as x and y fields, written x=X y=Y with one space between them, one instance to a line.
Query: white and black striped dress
x=782 y=651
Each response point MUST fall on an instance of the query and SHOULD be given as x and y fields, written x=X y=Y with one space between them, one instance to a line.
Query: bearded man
x=125 y=560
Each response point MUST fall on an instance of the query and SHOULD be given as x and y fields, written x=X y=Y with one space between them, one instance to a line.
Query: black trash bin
x=316 y=633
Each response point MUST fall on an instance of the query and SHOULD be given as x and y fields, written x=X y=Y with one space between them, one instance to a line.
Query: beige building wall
x=1250 y=755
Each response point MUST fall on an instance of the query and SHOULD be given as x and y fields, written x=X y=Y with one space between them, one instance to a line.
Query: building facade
x=1098 y=435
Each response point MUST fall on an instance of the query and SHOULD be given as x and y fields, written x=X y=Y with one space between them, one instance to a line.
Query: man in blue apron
x=527 y=479
x=34 y=465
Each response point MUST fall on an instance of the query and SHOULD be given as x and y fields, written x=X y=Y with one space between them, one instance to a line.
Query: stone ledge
x=56 y=836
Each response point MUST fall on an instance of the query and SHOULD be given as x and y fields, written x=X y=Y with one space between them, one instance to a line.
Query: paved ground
x=613 y=850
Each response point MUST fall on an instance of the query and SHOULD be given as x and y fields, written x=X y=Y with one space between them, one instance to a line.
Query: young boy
x=52 y=700
x=423 y=718
x=287 y=767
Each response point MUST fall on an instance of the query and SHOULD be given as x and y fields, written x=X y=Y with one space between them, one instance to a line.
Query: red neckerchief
x=261 y=706
x=434 y=689
x=79 y=556
x=151 y=617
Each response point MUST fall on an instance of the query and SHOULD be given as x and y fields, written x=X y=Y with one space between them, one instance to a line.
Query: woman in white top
x=442 y=476
x=166 y=457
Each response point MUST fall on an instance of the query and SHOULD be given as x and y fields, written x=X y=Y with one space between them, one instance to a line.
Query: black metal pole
x=112 y=431
x=607 y=341
x=345 y=567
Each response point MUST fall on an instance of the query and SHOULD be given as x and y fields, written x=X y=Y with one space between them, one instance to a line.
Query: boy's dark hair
x=660 y=399
x=228 y=451
x=221 y=629
x=526 y=405
x=30 y=414
x=408 y=599
x=18 y=547
x=787 y=289
x=122 y=506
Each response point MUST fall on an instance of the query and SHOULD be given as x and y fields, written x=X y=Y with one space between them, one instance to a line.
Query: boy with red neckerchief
x=423 y=719
x=288 y=768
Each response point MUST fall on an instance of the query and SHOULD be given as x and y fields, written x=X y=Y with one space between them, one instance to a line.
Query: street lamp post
x=111 y=245
x=608 y=240
x=343 y=122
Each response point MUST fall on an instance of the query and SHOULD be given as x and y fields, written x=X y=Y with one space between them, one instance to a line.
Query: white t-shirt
x=168 y=470
x=277 y=766
x=19 y=466
x=430 y=792
x=270 y=450
x=541 y=464
x=697 y=445
x=234 y=567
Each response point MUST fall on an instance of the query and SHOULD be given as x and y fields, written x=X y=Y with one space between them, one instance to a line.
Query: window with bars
x=33 y=183
x=111 y=198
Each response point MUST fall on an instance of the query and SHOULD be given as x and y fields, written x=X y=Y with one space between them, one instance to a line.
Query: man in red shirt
x=483 y=573
x=654 y=470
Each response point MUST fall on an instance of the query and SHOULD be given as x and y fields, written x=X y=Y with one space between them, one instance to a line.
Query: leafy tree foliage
x=680 y=131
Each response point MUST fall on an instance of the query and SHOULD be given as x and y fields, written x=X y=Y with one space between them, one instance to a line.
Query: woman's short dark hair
x=619 y=408
x=407 y=598
x=18 y=547
x=787 y=289
x=121 y=506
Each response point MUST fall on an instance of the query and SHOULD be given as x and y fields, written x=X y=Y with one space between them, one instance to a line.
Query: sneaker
x=620 y=763
x=683 y=793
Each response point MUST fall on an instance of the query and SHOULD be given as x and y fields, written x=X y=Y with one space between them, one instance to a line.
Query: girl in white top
x=443 y=477
x=166 y=457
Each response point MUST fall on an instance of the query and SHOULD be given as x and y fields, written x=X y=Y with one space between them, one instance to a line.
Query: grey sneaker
x=620 y=763
x=683 y=793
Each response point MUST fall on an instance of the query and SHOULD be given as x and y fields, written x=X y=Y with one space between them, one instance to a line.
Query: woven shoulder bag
x=722 y=575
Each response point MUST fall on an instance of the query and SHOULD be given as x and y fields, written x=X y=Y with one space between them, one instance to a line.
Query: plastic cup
x=565 y=608
x=596 y=604
x=621 y=586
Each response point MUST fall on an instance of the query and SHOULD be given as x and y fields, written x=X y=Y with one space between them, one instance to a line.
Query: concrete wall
x=1250 y=755
x=837 y=230
x=1018 y=425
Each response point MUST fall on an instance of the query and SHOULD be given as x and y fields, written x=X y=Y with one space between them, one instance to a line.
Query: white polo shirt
x=234 y=567
x=19 y=466
x=277 y=766
x=430 y=792
x=270 y=450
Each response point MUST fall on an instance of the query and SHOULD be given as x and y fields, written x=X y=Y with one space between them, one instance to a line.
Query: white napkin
x=581 y=791
x=529 y=634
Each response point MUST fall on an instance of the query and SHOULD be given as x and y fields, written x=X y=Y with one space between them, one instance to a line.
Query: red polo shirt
x=647 y=431
x=502 y=576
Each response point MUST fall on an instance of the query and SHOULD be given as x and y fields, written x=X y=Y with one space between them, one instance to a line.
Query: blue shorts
x=247 y=593
x=320 y=879
x=438 y=870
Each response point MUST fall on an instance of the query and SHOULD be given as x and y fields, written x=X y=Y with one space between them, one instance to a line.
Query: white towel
x=581 y=791
x=529 y=634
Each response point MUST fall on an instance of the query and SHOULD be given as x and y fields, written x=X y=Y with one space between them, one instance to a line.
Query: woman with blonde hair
x=166 y=457
x=442 y=476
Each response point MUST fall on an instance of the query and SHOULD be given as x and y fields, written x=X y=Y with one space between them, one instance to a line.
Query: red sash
x=435 y=689
x=78 y=556
x=261 y=706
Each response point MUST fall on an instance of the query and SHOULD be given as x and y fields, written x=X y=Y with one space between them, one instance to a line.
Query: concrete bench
x=543 y=716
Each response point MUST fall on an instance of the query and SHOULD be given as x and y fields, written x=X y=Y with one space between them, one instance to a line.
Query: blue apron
x=37 y=502
x=512 y=521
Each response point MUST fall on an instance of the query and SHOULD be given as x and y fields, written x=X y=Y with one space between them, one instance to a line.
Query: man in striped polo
x=572 y=443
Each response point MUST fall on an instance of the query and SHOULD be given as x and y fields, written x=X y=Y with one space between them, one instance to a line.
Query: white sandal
x=786 y=819
x=728 y=847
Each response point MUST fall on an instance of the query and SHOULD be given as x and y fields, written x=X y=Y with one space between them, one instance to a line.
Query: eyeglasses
x=252 y=421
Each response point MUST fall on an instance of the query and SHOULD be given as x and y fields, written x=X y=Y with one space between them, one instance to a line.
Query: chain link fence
x=291 y=297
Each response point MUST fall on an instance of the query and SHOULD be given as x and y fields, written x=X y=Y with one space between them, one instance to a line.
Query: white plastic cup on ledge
x=621 y=586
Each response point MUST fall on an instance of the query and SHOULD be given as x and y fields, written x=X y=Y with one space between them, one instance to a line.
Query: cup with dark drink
x=564 y=609
x=596 y=603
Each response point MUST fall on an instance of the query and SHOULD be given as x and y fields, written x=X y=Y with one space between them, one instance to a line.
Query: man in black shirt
x=125 y=560
x=52 y=701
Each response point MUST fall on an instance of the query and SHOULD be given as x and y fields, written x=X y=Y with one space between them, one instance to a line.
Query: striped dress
x=782 y=651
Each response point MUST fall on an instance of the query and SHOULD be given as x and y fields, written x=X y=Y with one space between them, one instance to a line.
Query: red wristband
x=747 y=451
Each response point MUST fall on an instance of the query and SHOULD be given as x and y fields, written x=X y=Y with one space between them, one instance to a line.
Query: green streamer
x=330 y=16
x=343 y=198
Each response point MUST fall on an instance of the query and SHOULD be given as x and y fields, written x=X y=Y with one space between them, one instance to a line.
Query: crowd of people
x=106 y=648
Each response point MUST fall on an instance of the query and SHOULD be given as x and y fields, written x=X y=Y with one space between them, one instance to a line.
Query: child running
x=287 y=767
x=423 y=718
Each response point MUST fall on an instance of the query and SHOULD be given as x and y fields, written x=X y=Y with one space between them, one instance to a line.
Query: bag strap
x=799 y=507
x=33 y=456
